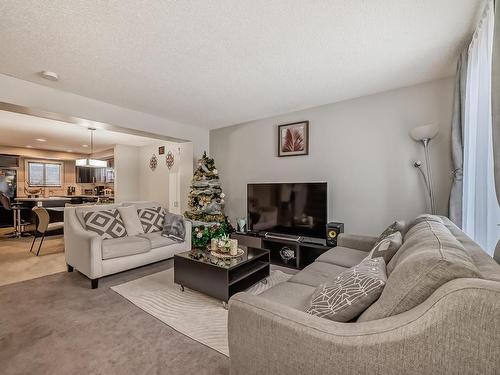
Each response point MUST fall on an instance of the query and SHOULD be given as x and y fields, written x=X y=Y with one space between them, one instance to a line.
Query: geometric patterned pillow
x=151 y=218
x=107 y=223
x=351 y=292
x=397 y=226
x=388 y=247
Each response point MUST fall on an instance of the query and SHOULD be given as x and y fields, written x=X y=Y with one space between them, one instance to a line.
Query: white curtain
x=481 y=213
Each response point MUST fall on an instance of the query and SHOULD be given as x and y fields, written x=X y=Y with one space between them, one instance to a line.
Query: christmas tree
x=206 y=202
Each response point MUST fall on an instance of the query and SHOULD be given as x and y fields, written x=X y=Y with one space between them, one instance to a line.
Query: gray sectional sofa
x=439 y=313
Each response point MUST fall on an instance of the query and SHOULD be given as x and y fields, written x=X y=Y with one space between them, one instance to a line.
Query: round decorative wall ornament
x=153 y=162
x=170 y=159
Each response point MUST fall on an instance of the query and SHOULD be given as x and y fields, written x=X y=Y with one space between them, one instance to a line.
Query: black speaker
x=332 y=232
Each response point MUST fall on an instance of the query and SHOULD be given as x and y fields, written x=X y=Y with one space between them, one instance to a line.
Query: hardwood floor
x=18 y=264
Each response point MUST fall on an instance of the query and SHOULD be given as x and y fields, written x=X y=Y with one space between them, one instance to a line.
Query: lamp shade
x=91 y=163
x=424 y=132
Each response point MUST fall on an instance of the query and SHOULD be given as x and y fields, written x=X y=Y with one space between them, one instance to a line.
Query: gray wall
x=361 y=147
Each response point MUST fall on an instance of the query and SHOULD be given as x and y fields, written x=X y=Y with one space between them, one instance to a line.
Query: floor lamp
x=424 y=134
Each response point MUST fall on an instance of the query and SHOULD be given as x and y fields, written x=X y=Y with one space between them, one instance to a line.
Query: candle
x=233 y=250
x=213 y=244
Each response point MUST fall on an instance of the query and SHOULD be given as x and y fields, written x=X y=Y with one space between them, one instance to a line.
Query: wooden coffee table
x=220 y=278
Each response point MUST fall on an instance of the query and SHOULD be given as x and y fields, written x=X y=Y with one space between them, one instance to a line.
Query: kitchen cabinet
x=86 y=175
x=83 y=175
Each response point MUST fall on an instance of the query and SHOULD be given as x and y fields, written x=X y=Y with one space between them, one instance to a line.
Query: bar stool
x=43 y=225
x=16 y=209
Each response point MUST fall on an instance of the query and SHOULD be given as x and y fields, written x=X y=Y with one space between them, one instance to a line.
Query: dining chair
x=43 y=225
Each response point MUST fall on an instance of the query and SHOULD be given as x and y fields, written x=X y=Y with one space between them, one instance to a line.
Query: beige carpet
x=191 y=313
x=18 y=264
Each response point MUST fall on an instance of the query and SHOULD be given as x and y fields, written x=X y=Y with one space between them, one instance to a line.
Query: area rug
x=191 y=313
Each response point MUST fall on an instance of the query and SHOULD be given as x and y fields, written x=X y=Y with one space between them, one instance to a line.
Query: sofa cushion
x=157 y=240
x=142 y=204
x=342 y=256
x=422 y=218
x=106 y=223
x=486 y=265
x=297 y=296
x=423 y=229
x=131 y=220
x=125 y=246
x=81 y=210
x=429 y=257
x=317 y=273
x=388 y=247
x=350 y=293
x=151 y=218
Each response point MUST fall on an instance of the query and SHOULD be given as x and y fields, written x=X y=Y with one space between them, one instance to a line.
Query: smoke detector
x=51 y=76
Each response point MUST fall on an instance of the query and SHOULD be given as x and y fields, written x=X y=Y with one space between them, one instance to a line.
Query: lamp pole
x=425 y=142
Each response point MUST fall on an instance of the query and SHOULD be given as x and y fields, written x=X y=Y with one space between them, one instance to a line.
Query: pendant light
x=91 y=163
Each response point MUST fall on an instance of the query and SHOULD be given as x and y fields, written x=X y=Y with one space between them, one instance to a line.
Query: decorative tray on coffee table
x=226 y=255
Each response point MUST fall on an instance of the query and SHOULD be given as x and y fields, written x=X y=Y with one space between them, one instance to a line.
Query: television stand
x=283 y=252
x=286 y=237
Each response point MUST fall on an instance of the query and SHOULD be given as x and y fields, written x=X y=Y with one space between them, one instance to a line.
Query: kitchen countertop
x=42 y=199
x=61 y=198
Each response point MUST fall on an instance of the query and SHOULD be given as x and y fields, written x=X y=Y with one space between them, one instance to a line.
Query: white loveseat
x=96 y=257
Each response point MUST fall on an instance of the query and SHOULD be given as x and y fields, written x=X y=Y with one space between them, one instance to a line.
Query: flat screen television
x=288 y=208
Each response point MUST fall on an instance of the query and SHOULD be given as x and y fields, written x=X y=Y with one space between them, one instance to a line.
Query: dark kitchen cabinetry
x=83 y=175
x=86 y=175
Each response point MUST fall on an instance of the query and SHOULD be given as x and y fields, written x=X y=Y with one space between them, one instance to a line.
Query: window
x=44 y=174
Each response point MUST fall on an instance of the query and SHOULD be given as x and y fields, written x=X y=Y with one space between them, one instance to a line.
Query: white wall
x=127 y=175
x=28 y=94
x=361 y=147
x=168 y=187
x=135 y=181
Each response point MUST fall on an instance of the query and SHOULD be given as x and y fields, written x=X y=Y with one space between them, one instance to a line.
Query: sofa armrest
x=356 y=241
x=83 y=249
x=453 y=331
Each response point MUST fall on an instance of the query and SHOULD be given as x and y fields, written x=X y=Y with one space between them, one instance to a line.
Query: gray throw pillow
x=387 y=247
x=106 y=223
x=397 y=226
x=174 y=227
x=351 y=292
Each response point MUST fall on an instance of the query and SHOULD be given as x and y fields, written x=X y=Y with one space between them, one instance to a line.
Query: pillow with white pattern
x=350 y=293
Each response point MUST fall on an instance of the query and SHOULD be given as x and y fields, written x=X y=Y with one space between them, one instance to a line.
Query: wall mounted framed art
x=161 y=150
x=293 y=139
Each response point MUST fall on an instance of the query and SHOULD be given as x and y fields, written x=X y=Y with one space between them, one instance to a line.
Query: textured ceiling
x=217 y=63
x=20 y=130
